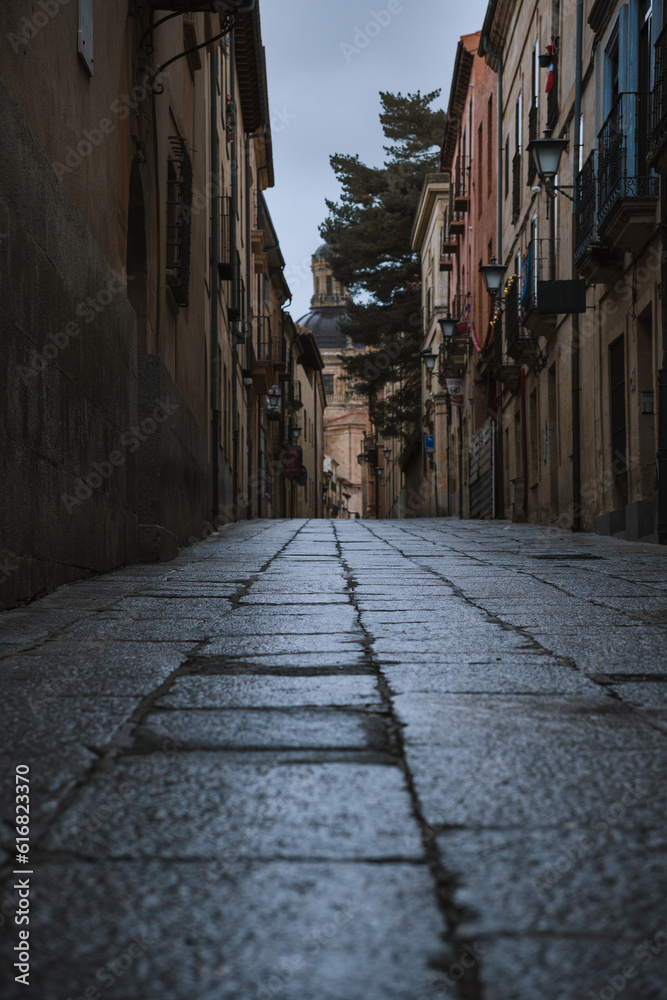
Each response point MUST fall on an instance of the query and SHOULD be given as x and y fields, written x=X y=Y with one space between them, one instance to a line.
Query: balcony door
x=645 y=11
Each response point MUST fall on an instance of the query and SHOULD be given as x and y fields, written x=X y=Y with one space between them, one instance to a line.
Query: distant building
x=346 y=420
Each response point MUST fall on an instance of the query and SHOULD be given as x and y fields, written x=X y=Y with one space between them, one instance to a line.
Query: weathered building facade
x=580 y=310
x=455 y=232
x=559 y=369
x=137 y=289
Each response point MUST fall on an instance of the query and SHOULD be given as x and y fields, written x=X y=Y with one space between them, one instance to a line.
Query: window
x=179 y=214
x=328 y=384
x=329 y=285
x=507 y=166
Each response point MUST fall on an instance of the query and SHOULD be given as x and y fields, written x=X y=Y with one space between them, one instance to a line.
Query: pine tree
x=368 y=232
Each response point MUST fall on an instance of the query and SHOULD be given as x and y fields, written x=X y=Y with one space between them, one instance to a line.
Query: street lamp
x=429 y=359
x=387 y=453
x=546 y=154
x=378 y=470
x=493 y=276
x=447 y=326
x=296 y=433
x=273 y=401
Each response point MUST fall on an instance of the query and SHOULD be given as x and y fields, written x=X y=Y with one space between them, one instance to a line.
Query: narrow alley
x=346 y=760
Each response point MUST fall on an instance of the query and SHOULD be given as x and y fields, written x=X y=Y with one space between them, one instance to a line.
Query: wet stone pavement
x=315 y=760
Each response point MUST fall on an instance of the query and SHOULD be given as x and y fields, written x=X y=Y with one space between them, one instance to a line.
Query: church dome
x=328 y=306
x=323 y=323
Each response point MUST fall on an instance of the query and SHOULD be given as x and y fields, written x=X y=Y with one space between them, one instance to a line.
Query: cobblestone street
x=345 y=760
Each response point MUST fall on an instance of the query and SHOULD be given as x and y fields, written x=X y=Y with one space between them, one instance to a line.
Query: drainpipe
x=232 y=244
x=215 y=375
x=499 y=487
x=247 y=332
x=575 y=358
x=662 y=373
x=524 y=442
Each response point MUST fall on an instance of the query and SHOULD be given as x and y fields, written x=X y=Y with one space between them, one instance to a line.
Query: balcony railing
x=225 y=239
x=263 y=338
x=533 y=127
x=179 y=216
x=623 y=147
x=512 y=324
x=538 y=268
x=295 y=395
x=461 y=183
x=516 y=186
x=659 y=95
x=586 y=213
x=236 y=295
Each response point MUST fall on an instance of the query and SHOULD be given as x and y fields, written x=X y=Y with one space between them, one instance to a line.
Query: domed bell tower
x=327 y=291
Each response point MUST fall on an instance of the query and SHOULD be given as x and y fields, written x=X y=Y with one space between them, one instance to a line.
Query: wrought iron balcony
x=179 y=218
x=516 y=186
x=627 y=187
x=236 y=295
x=522 y=346
x=295 y=395
x=586 y=214
x=225 y=270
x=264 y=339
x=542 y=297
x=595 y=260
x=658 y=152
x=461 y=184
x=449 y=246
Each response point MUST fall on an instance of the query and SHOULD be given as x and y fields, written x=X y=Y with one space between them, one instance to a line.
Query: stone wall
x=69 y=383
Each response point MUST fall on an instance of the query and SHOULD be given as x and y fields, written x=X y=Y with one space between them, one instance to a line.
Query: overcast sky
x=327 y=60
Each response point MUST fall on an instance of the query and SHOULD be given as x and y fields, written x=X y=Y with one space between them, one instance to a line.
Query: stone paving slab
x=272 y=692
x=335 y=929
x=367 y=812
x=65 y=667
x=524 y=881
x=259 y=728
x=508 y=788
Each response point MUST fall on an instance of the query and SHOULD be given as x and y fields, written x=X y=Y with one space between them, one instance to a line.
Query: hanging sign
x=291 y=462
x=455 y=391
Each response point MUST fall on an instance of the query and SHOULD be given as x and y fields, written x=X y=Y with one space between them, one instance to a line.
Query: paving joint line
x=522 y=630
x=121 y=741
x=444 y=880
